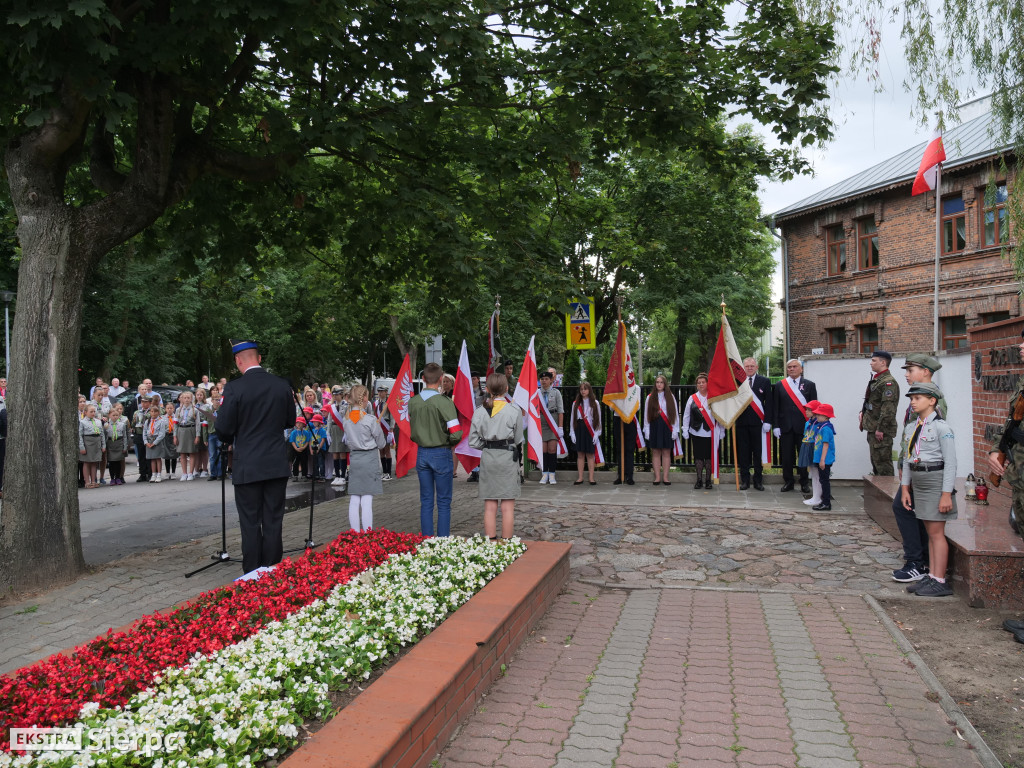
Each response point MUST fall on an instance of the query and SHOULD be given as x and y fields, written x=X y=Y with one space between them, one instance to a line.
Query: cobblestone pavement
x=699 y=628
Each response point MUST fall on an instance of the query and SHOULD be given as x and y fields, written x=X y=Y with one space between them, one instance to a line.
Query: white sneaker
x=336 y=481
x=553 y=480
x=152 y=479
x=183 y=478
x=204 y=473
x=386 y=476
x=158 y=479
x=343 y=482
x=812 y=502
x=543 y=478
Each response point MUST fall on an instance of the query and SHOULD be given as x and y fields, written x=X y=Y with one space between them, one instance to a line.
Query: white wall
x=841 y=383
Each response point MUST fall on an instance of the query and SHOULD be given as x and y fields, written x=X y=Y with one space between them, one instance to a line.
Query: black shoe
x=142 y=479
x=745 y=485
x=935 y=588
x=805 y=489
x=657 y=482
x=666 y=482
x=629 y=482
x=1012 y=625
x=911 y=571
x=474 y=477
x=912 y=588
x=1019 y=637
x=822 y=507
x=616 y=481
x=593 y=482
x=577 y=482
x=786 y=487
x=698 y=485
x=211 y=478
x=758 y=485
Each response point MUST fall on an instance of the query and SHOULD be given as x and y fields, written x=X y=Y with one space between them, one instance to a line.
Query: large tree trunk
x=40 y=535
x=404 y=347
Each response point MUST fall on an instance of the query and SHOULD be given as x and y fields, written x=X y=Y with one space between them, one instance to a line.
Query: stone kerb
x=410 y=712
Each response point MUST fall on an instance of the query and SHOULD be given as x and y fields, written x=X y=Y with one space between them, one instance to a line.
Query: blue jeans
x=434 y=467
x=215 y=457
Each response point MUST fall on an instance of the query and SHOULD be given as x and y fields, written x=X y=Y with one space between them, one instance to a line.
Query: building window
x=954 y=225
x=867 y=244
x=836 y=341
x=836 y=244
x=995 y=226
x=954 y=332
x=994 y=317
x=868 y=338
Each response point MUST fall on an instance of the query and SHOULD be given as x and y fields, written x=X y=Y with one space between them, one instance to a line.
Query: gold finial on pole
x=497 y=303
x=618 y=306
x=723 y=304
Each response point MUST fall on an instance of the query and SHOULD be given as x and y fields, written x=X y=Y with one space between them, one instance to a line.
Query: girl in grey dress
x=154 y=432
x=91 y=444
x=335 y=417
x=497 y=432
x=117 y=433
x=185 y=437
x=365 y=438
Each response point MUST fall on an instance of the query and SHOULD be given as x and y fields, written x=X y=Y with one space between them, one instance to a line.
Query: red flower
x=113 y=667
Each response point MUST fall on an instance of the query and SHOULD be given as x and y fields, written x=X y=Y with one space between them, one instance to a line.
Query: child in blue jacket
x=825 y=453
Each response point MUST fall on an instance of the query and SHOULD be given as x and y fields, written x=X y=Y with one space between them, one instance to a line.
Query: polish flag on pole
x=398 y=407
x=527 y=397
x=728 y=391
x=465 y=403
x=934 y=154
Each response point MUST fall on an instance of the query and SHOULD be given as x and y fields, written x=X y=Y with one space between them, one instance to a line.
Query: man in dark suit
x=754 y=426
x=256 y=409
x=789 y=397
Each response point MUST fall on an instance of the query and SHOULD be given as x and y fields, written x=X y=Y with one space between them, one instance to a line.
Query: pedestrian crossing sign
x=579 y=324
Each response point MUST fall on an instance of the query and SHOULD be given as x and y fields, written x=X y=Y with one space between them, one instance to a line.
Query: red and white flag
x=398 y=407
x=465 y=403
x=493 y=345
x=527 y=397
x=934 y=154
x=621 y=392
x=728 y=391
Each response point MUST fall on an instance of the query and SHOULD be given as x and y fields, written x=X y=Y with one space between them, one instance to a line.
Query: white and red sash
x=766 y=437
x=378 y=411
x=796 y=396
x=594 y=437
x=641 y=444
x=336 y=417
x=711 y=425
x=546 y=417
x=677 y=444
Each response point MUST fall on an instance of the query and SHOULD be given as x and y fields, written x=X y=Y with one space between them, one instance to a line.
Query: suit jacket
x=257 y=408
x=788 y=417
x=763 y=389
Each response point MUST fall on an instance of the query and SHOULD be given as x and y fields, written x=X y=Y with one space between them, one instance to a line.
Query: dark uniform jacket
x=788 y=417
x=763 y=389
x=256 y=410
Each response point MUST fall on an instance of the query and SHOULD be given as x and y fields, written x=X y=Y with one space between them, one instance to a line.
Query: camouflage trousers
x=1013 y=479
x=881 y=455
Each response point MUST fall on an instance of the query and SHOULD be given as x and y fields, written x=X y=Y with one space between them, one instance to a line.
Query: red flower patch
x=113 y=667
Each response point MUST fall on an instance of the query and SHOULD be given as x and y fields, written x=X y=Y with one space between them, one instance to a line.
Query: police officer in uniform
x=878 y=414
x=256 y=410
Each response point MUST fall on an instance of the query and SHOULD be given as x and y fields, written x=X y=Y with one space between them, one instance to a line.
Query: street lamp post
x=7 y=297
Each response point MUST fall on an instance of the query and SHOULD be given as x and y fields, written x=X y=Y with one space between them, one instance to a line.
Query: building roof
x=967 y=143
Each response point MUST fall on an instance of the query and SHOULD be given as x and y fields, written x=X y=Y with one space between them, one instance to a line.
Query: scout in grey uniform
x=117 y=433
x=154 y=432
x=92 y=443
x=552 y=398
x=930 y=468
x=185 y=435
x=365 y=438
x=497 y=432
x=335 y=416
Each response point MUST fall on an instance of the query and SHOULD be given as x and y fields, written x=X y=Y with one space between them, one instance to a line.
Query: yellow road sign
x=579 y=324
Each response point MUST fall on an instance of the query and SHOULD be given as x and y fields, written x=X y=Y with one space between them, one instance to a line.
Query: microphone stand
x=222 y=556
x=309 y=543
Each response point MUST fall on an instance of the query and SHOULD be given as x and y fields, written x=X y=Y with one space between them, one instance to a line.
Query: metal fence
x=642 y=459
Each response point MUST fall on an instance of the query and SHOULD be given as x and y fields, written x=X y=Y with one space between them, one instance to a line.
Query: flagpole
x=735 y=456
x=938 y=248
x=622 y=424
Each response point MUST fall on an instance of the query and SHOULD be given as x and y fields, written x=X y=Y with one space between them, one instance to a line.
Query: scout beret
x=925 y=388
x=883 y=355
x=923 y=361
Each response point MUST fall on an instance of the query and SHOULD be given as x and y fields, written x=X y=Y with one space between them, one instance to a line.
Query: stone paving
x=714 y=628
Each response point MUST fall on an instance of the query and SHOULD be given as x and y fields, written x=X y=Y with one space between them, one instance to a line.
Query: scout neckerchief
x=795 y=395
x=913 y=448
x=545 y=415
x=710 y=422
x=585 y=418
x=185 y=415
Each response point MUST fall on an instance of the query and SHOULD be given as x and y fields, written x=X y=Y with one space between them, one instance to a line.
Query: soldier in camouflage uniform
x=878 y=414
x=919 y=368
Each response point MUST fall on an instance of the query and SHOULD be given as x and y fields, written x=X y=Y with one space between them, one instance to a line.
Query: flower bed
x=111 y=668
x=246 y=702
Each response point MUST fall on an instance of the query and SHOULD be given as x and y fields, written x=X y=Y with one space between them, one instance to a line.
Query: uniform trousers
x=260 y=516
x=748 y=450
x=912 y=530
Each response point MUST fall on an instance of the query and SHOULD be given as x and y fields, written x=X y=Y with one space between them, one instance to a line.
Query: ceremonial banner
x=527 y=397
x=728 y=391
x=465 y=403
x=621 y=392
x=398 y=406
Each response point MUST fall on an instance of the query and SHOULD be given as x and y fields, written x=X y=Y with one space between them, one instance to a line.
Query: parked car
x=167 y=392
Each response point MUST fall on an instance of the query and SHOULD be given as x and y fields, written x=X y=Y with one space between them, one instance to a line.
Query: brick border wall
x=989 y=393
x=407 y=716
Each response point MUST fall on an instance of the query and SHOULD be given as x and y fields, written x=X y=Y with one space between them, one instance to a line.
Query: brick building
x=859 y=257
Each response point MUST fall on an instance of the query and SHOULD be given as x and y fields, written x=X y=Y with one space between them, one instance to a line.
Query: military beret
x=925 y=388
x=883 y=355
x=922 y=360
